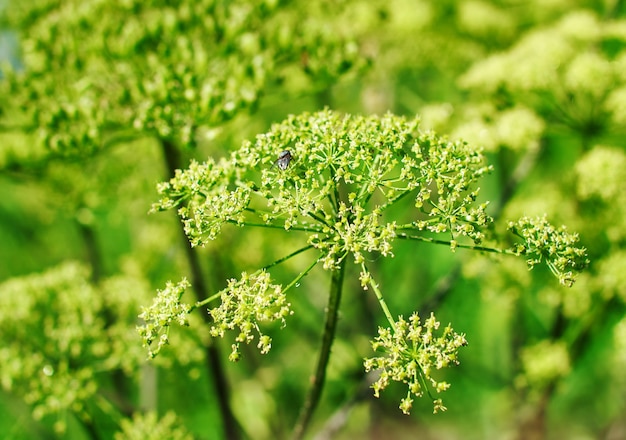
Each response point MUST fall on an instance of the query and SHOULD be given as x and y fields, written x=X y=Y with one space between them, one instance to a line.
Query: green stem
x=393 y=200
x=317 y=384
x=381 y=300
x=302 y=275
x=204 y=302
x=92 y=250
x=422 y=379
x=312 y=228
x=287 y=257
x=318 y=218
x=458 y=245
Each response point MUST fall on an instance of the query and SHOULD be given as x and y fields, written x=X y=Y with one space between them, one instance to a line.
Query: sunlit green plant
x=335 y=184
x=64 y=338
x=575 y=77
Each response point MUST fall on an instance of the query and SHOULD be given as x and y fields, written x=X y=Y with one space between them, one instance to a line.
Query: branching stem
x=302 y=275
x=312 y=228
x=217 y=295
x=287 y=257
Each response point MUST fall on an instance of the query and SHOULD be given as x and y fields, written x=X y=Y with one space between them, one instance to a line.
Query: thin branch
x=287 y=257
x=210 y=299
x=381 y=300
x=404 y=193
x=311 y=228
x=318 y=218
x=459 y=245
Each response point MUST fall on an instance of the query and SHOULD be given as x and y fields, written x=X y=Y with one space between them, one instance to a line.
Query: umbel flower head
x=411 y=352
x=344 y=172
x=166 y=309
x=555 y=246
x=246 y=302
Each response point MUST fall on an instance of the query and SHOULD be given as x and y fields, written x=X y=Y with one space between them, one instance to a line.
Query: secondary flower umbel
x=412 y=351
x=246 y=303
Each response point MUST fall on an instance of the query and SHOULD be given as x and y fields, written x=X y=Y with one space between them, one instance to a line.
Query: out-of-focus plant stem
x=232 y=430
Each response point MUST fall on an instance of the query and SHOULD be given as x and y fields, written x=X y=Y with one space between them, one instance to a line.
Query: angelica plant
x=343 y=175
x=62 y=343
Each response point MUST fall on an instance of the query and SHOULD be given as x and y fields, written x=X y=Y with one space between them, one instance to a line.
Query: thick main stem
x=213 y=358
x=317 y=383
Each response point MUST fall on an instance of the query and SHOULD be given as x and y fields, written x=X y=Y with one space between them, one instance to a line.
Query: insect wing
x=284 y=158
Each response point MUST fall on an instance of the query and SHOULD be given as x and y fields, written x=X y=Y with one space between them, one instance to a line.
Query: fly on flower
x=284 y=158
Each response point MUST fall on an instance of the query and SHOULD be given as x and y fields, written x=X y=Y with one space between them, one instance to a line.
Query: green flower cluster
x=245 y=303
x=412 y=351
x=518 y=128
x=353 y=233
x=150 y=427
x=453 y=169
x=601 y=174
x=601 y=189
x=171 y=68
x=164 y=310
x=345 y=173
x=544 y=242
x=61 y=335
x=565 y=72
x=543 y=363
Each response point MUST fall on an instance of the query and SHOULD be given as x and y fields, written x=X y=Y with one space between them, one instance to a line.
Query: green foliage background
x=109 y=97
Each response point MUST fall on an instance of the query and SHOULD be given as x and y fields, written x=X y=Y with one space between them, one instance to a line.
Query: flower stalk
x=330 y=326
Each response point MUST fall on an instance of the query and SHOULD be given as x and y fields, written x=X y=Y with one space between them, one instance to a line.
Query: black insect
x=284 y=158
